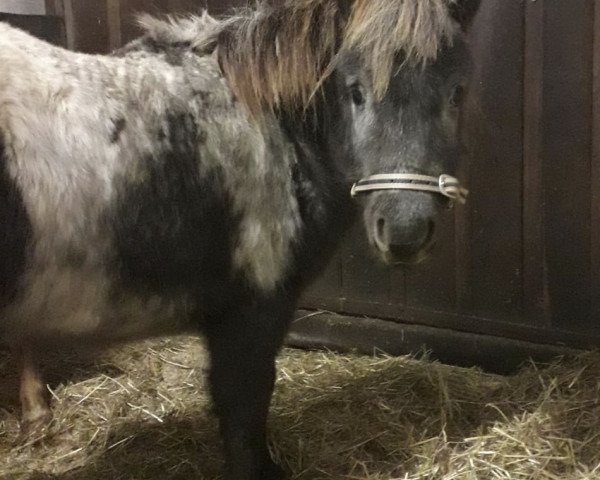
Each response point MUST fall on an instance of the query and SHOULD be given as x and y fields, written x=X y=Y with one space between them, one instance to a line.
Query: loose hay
x=142 y=413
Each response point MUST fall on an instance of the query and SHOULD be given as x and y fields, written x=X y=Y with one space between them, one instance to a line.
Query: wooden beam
x=535 y=288
x=595 y=203
x=69 y=24
x=55 y=8
x=23 y=7
x=115 y=36
x=86 y=25
x=315 y=330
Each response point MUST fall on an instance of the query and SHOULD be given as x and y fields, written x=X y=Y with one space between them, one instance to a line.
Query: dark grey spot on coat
x=16 y=233
x=174 y=230
x=118 y=127
x=175 y=52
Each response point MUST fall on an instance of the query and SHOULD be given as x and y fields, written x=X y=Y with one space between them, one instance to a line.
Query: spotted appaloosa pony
x=198 y=179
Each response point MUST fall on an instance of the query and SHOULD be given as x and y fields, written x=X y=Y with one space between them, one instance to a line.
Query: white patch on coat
x=57 y=116
x=257 y=165
x=62 y=302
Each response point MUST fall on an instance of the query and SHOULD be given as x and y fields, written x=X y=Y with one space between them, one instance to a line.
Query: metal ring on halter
x=444 y=184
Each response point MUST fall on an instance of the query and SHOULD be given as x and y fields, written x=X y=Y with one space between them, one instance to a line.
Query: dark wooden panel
x=567 y=152
x=48 y=28
x=595 y=205
x=55 y=8
x=329 y=284
x=535 y=295
x=113 y=12
x=493 y=230
x=128 y=14
x=459 y=322
x=364 y=278
x=223 y=6
x=87 y=25
x=23 y=7
x=185 y=6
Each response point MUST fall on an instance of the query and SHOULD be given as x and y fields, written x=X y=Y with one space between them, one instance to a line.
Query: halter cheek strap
x=444 y=184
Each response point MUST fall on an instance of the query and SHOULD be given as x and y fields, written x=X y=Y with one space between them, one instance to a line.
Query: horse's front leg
x=243 y=347
x=35 y=410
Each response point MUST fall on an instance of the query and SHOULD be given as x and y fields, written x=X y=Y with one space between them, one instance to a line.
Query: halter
x=444 y=184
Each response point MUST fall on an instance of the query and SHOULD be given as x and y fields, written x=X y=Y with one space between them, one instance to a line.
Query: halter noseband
x=444 y=184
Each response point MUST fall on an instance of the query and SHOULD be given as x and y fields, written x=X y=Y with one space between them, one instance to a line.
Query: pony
x=198 y=179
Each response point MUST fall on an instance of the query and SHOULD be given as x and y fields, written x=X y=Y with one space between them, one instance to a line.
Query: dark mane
x=278 y=56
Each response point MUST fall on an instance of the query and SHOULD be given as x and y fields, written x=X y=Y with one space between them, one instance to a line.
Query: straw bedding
x=142 y=412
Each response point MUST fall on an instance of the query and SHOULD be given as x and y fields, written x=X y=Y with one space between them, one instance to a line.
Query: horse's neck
x=321 y=183
x=325 y=206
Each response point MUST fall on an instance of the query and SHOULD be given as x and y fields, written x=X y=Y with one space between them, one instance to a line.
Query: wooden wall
x=102 y=25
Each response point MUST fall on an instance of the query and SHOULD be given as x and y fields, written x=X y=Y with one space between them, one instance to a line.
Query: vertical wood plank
x=461 y=217
x=223 y=6
x=86 y=26
x=23 y=7
x=129 y=9
x=114 y=24
x=329 y=284
x=567 y=160
x=69 y=24
x=535 y=295
x=185 y=6
x=595 y=206
x=55 y=8
x=47 y=28
x=491 y=231
x=364 y=278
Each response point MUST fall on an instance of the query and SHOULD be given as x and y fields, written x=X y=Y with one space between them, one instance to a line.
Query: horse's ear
x=464 y=11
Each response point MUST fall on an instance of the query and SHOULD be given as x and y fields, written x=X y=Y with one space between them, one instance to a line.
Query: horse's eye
x=457 y=96
x=357 y=95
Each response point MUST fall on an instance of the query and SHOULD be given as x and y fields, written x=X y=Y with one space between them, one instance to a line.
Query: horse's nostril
x=380 y=235
x=400 y=241
x=412 y=241
x=381 y=229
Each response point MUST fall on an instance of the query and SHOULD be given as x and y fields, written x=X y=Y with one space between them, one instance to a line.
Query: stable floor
x=142 y=412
